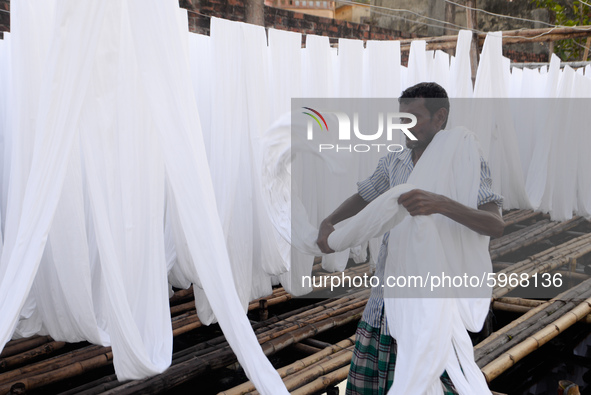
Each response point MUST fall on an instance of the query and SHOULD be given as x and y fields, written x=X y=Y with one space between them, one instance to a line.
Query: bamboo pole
x=546 y=261
x=61 y=374
x=294 y=367
x=530 y=235
x=323 y=382
x=532 y=343
x=514 y=217
x=509 y=37
x=521 y=301
x=586 y=53
x=327 y=365
x=272 y=345
x=501 y=332
x=329 y=313
x=181 y=295
x=317 y=310
x=521 y=332
x=53 y=363
x=21 y=345
x=22 y=358
x=506 y=239
x=510 y=308
x=278 y=296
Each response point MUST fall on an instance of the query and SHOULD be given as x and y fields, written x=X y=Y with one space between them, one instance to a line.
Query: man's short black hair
x=436 y=95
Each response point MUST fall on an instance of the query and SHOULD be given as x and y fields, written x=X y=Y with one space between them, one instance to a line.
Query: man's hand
x=326 y=228
x=347 y=209
x=419 y=202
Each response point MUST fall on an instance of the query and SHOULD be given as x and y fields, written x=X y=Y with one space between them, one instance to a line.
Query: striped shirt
x=394 y=169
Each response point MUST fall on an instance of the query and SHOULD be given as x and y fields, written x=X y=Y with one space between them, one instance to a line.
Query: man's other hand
x=419 y=202
x=326 y=228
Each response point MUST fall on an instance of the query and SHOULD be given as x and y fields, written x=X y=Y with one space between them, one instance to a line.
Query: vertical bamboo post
x=586 y=53
x=255 y=12
x=449 y=17
x=472 y=25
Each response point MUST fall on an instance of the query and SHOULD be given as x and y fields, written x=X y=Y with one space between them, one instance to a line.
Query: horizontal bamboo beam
x=510 y=308
x=323 y=382
x=509 y=37
x=21 y=345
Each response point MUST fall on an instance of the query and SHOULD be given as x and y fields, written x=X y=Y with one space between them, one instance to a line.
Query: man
x=374 y=358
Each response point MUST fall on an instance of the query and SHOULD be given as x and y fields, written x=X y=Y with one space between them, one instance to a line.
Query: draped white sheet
x=122 y=118
x=33 y=199
x=494 y=128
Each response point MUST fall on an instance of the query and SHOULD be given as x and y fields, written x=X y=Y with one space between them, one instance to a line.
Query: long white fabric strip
x=69 y=66
x=174 y=110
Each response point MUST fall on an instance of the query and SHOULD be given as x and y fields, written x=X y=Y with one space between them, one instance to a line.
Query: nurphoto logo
x=393 y=121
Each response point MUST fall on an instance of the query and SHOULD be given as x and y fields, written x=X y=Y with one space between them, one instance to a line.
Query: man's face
x=427 y=126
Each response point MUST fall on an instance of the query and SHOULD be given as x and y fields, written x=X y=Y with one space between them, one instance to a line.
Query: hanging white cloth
x=136 y=119
x=69 y=67
x=494 y=128
x=165 y=82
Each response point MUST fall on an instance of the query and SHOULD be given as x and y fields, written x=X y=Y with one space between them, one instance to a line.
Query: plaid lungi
x=373 y=363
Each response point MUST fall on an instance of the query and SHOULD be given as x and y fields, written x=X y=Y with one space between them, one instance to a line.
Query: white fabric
x=68 y=66
x=494 y=128
x=123 y=116
x=188 y=174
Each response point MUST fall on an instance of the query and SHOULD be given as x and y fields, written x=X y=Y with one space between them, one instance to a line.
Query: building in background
x=356 y=11
x=324 y=8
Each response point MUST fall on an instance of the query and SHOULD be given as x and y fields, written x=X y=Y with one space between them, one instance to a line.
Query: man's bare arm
x=486 y=220
x=347 y=209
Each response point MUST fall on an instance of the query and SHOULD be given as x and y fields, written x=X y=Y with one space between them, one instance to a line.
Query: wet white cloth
x=115 y=120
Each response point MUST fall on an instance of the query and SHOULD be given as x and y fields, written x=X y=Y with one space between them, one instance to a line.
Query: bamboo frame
x=294 y=367
x=547 y=260
x=323 y=316
x=522 y=319
x=532 y=343
x=530 y=235
x=517 y=334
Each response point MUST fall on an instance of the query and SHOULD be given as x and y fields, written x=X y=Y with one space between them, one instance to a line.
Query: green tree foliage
x=568 y=13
